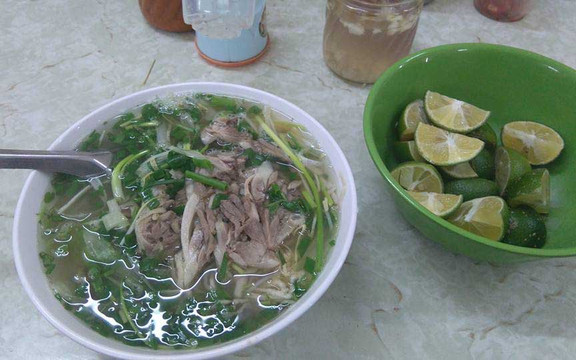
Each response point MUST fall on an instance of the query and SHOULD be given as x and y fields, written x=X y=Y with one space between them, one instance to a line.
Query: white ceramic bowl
x=25 y=233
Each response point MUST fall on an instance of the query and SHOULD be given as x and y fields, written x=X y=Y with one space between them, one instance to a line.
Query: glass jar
x=504 y=10
x=362 y=38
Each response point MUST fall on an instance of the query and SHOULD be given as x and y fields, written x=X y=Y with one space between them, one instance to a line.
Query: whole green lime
x=487 y=134
x=471 y=188
x=526 y=228
x=483 y=164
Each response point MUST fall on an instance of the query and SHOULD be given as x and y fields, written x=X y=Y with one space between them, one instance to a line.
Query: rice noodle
x=267 y=112
x=73 y=199
x=317 y=167
x=238 y=287
x=190 y=153
x=163 y=134
x=95 y=183
x=101 y=138
x=134 y=221
x=187 y=222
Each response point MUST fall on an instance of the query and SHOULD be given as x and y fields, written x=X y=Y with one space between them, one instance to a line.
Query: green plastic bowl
x=515 y=85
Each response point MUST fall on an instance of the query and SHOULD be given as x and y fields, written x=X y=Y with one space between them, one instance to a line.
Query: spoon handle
x=83 y=164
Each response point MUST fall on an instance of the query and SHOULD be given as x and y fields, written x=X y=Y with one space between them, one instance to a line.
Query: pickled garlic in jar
x=362 y=38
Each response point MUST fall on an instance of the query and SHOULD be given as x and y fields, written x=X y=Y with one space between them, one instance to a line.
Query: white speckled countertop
x=399 y=295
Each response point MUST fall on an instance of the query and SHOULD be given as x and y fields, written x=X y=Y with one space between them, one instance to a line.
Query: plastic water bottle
x=228 y=32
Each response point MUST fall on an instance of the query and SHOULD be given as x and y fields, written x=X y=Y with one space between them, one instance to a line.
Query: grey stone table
x=399 y=295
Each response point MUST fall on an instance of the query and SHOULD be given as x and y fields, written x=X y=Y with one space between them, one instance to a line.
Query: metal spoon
x=81 y=164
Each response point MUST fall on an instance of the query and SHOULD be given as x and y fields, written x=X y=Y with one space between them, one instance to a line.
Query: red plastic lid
x=232 y=64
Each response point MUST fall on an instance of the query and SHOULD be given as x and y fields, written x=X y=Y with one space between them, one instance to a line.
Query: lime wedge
x=444 y=148
x=454 y=115
x=439 y=204
x=531 y=189
x=538 y=143
x=487 y=217
x=510 y=165
x=411 y=117
x=471 y=188
x=418 y=176
x=486 y=134
x=460 y=171
x=526 y=228
x=407 y=151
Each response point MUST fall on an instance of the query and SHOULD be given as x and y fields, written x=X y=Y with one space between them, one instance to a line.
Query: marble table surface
x=399 y=295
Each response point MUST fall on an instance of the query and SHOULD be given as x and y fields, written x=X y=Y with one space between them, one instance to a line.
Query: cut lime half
x=418 y=176
x=407 y=151
x=439 y=204
x=531 y=189
x=411 y=117
x=538 y=143
x=487 y=217
x=460 y=171
x=444 y=148
x=510 y=165
x=452 y=114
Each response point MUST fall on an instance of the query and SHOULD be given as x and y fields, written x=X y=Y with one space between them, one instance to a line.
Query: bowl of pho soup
x=227 y=214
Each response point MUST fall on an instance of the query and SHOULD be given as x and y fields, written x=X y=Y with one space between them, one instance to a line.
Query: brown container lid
x=164 y=15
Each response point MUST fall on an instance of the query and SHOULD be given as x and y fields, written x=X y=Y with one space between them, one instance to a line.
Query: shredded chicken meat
x=241 y=226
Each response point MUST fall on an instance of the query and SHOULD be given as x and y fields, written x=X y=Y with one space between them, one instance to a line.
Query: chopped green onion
x=164 y=182
x=134 y=123
x=223 y=102
x=308 y=197
x=293 y=143
x=253 y=158
x=287 y=125
x=153 y=204
x=244 y=126
x=237 y=268
x=223 y=269
x=309 y=265
x=218 y=198
x=48 y=262
x=295 y=206
x=203 y=163
x=158 y=174
x=275 y=193
x=326 y=194
x=303 y=245
x=194 y=112
x=255 y=110
x=332 y=243
x=128 y=123
x=203 y=150
x=179 y=210
x=217 y=184
x=178 y=124
x=118 y=173
x=179 y=134
x=281 y=257
x=313 y=187
x=149 y=112
x=124 y=309
x=48 y=197
x=91 y=142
